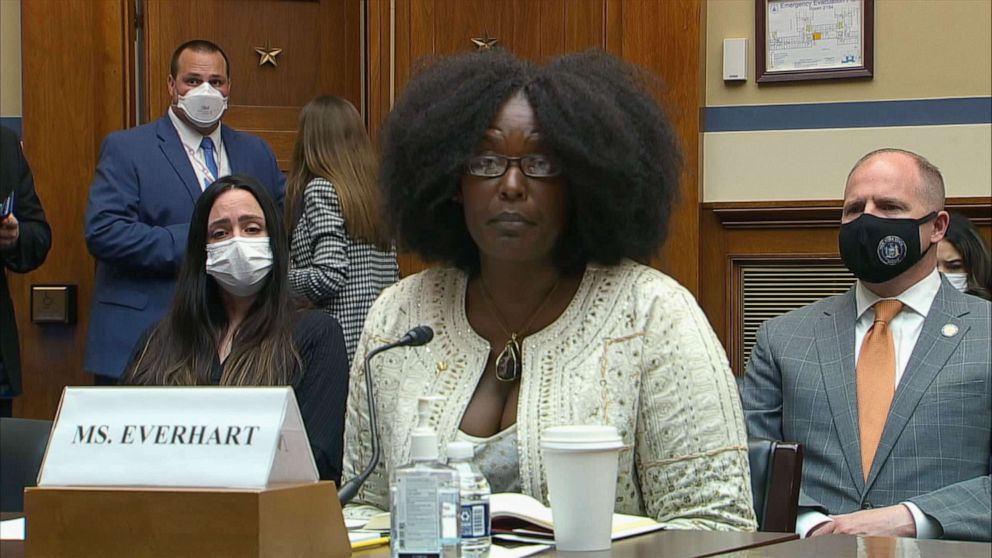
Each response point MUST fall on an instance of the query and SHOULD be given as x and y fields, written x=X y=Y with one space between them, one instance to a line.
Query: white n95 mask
x=203 y=104
x=240 y=264
x=958 y=280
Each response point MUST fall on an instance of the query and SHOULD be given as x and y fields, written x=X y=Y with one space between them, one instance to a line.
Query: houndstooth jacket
x=330 y=269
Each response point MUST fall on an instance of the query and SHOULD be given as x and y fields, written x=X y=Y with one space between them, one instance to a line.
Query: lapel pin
x=949 y=330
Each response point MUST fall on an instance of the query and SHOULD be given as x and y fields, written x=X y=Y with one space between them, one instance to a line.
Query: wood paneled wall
x=776 y=230
x=79 y=86
x=77 y=81
x=321 y=55
x=667 y=38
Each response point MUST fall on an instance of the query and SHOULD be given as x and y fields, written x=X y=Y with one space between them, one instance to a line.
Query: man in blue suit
x=146 y=184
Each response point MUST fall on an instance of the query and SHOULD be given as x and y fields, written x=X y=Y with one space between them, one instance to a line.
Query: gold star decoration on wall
x=485 y=42
x=267 y=55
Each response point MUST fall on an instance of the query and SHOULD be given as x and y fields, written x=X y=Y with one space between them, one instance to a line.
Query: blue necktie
x=207 y=145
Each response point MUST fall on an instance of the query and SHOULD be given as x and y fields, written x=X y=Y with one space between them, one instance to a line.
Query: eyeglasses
x=535 y=165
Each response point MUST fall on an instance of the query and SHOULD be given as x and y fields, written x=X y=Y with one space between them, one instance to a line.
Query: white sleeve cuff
x=807 y=520
x=926 y=526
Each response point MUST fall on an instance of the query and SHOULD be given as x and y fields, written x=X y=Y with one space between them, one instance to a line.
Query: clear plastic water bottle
x=475 y=520
x=424 y=502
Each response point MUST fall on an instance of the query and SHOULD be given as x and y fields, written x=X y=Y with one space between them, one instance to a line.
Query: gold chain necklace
x=508 y=362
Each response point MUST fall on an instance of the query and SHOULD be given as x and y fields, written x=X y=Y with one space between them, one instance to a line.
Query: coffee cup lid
x=585 y=436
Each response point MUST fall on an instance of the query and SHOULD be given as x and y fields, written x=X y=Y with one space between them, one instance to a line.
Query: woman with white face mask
x=964 y=259
x=232 y=323
x=203 y=105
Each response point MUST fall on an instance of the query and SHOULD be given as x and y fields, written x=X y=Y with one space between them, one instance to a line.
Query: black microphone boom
x=420 y=335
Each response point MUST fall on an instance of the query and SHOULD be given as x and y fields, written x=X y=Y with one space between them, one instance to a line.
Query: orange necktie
x=876 y=373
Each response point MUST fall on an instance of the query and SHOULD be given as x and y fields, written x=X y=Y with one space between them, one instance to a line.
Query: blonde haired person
x=341 y=256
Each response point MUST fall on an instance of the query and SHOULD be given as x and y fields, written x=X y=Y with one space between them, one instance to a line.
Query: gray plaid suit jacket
x=936 y=447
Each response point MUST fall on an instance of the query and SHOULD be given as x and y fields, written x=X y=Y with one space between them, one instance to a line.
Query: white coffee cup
x=581 y=467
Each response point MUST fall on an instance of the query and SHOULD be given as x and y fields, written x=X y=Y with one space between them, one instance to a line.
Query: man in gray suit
x=891 y=401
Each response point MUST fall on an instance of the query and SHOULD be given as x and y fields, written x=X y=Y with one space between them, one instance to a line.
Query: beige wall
x=10 y=58
x=796 y=165
x=924 y=49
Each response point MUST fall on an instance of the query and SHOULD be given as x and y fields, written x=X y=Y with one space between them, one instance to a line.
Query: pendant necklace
x=508 y=362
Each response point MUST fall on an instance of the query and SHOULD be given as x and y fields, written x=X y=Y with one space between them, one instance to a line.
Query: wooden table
x=670 y=544
x=667 y=544
x=845 y=546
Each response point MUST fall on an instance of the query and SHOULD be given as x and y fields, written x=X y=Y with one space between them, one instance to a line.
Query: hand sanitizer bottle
x=424 y=497
x=475 y=520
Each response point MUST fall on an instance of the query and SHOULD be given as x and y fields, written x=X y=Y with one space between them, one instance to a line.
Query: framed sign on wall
x=799 y=40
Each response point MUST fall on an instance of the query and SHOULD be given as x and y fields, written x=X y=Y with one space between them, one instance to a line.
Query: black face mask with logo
x=877 y=250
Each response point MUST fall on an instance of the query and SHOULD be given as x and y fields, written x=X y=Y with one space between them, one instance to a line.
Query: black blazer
x=32 y=246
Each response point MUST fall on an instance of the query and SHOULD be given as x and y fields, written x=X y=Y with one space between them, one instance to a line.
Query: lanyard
x=194 y=156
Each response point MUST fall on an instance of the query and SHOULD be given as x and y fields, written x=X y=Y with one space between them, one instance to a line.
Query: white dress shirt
x=191 y=139
x=905 y=327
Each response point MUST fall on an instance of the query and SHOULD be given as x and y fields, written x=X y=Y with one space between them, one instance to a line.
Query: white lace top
x=632 y=349
x=497 y=458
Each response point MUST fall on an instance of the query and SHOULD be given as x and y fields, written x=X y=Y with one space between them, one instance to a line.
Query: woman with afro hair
x=535 y=190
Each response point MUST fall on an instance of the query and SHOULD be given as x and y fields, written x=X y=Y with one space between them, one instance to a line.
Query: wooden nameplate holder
x=300 y=520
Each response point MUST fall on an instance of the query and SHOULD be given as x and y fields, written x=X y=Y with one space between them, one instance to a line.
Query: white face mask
x=240 y=265
x=958 y=280
x=203 y=104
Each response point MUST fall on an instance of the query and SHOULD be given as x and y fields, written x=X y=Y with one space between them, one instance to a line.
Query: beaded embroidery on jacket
x=632 y=349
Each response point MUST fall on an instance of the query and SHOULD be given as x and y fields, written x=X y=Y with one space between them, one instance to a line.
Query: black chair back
x=776 y=474
x=22 y=448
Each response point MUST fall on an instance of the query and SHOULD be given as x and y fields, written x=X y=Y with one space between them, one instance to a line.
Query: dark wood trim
x=763 y=215
x=820 y=213
x=866 y=70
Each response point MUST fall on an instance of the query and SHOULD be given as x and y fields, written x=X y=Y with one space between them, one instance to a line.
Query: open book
x=522 y=518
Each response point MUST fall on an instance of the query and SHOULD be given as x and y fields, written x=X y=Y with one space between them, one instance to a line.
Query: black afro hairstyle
x=619 y=153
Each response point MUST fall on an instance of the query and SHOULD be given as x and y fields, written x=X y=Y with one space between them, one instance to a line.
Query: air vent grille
x=772 y=290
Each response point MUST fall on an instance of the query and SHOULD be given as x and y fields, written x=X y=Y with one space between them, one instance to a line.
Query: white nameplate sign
x=209 y=437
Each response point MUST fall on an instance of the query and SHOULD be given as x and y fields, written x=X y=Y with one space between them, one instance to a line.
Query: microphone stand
x=419 y=335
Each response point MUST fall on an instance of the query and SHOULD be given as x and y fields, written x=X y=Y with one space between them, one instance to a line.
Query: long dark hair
x=961 y=232
x=182 y=347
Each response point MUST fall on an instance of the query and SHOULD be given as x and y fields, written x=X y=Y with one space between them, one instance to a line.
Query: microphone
x=420 y=335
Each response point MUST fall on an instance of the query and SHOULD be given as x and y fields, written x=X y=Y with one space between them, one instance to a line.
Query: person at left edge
x=147 y=180
x=231 y=322
x=25 y=238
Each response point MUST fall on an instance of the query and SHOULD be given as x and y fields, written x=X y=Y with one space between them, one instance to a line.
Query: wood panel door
x=77 y=81
x=667 y=37
x=664 y=36
x=403 y=32
x=321 y=53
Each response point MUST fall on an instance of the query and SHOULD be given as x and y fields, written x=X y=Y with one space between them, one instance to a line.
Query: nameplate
x=204 y=437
